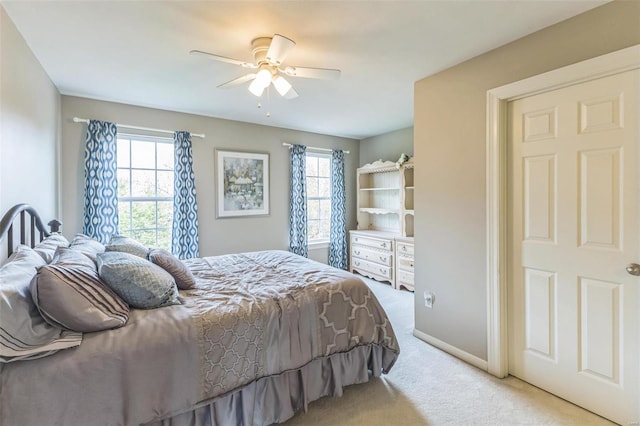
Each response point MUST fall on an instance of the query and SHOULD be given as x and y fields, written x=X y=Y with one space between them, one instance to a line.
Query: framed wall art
x=242 y=183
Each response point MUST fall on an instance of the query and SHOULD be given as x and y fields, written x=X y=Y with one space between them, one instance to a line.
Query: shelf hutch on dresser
x=385 y=223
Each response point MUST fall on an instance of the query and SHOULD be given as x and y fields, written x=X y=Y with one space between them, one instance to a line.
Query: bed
x=259 y=337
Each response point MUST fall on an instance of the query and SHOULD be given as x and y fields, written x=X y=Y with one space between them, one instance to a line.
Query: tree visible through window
x=145 y=189
x=318 y=197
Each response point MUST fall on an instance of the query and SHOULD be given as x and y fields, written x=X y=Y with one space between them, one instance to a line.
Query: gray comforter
x=250 y=316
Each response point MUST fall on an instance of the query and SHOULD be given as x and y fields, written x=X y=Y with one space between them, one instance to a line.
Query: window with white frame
x=318 y=197
x=145 y=189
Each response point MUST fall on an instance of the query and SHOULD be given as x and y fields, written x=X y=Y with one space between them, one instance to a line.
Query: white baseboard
x=452 y=350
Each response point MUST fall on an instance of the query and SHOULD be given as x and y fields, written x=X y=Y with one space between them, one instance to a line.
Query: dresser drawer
x=405 y=263
x=362 y=252
x=372 y=242
x=404 y=248
x=374 y=268
x=404 y=278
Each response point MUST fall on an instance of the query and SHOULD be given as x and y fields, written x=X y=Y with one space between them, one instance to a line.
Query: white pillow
x=24 y=333
x=47 y=247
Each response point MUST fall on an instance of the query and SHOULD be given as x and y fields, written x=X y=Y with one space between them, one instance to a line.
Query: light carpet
x=429 y=387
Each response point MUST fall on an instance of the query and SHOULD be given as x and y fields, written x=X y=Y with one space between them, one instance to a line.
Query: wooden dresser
x=404 y=261
x=382 y=246
x=372 y=254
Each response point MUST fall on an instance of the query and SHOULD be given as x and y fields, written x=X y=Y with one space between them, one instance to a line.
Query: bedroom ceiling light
x=282 y=86
x=261 y=82
x=268 y=54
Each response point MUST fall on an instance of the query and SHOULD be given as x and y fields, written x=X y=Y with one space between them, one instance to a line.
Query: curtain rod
x=150 y=129
x=288 y=145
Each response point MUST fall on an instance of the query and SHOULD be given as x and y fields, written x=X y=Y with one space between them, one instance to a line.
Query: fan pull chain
x=268 y=100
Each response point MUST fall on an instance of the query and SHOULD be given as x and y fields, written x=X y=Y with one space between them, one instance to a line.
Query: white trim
x=145 y=137
x=322 y=244
x=591 y=69
x=452 y=350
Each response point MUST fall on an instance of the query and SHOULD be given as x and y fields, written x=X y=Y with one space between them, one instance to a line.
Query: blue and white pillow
x=139 y=282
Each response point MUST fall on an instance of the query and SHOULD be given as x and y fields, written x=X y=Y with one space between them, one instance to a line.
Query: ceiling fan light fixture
x=261 y=82
x=256 y=89
x=269 y=53
x=281 y=85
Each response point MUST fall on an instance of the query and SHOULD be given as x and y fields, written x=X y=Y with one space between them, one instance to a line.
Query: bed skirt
x=275 y=399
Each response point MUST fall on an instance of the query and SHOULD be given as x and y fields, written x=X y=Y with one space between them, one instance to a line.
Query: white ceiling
x=136 y=52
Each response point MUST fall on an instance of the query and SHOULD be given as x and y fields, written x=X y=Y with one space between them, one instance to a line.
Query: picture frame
x=242 y=183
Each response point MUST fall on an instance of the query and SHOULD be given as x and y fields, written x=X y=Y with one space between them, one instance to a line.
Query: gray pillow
x=47 y=247
x=87 y=246
x=139 y=282
x=24 y=333
x=125 y=244
x=69 y=294
x=178 y=270
x=70 y=257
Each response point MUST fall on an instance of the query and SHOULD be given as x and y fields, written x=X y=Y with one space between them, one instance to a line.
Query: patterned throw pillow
x=24 y=333
x=139 y=282
x=178 y=270
x=87 y=246
x=69 y=294
x=127 y=245
x=47 y=247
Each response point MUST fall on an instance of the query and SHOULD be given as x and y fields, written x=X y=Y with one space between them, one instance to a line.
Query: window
x=145 y=189
x=318 y=197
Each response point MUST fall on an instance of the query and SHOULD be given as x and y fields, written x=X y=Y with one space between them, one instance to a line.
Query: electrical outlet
x=429 y=299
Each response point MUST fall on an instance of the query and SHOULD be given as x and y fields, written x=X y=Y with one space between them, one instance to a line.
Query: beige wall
x=449 y=127
x=217 y=236
x=29 y=126
x=388 y=146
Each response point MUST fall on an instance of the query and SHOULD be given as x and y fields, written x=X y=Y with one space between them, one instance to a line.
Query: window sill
x=317 y=245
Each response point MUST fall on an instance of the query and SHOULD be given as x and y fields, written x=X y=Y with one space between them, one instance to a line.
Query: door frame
x=496 y=185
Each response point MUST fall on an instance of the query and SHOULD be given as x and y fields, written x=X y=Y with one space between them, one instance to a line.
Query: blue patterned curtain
x=298 y=201
x=184 y=241
x=100 y=181
x=338 y=229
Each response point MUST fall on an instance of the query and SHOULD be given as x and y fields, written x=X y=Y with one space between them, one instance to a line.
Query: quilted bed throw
x=266 y=312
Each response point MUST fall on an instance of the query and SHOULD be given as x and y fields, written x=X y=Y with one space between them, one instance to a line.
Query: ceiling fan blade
x=291 y=94
x=237 y=81
x=323 y=73
x=279 y=49
x=223 y=59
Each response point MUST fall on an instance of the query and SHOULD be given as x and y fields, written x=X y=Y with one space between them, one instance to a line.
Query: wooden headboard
x=36 y=227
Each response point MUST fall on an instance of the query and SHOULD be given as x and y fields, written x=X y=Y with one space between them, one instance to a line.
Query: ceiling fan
x=269 y=53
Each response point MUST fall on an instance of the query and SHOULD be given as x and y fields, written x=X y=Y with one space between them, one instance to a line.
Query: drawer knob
x=382 y=271
x=404 y=248
x=411 y=264
x=383 y=259
x=357 y=252
x=384 y=244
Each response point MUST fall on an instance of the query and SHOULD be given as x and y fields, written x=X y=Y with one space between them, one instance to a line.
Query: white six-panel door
x=573 y=228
